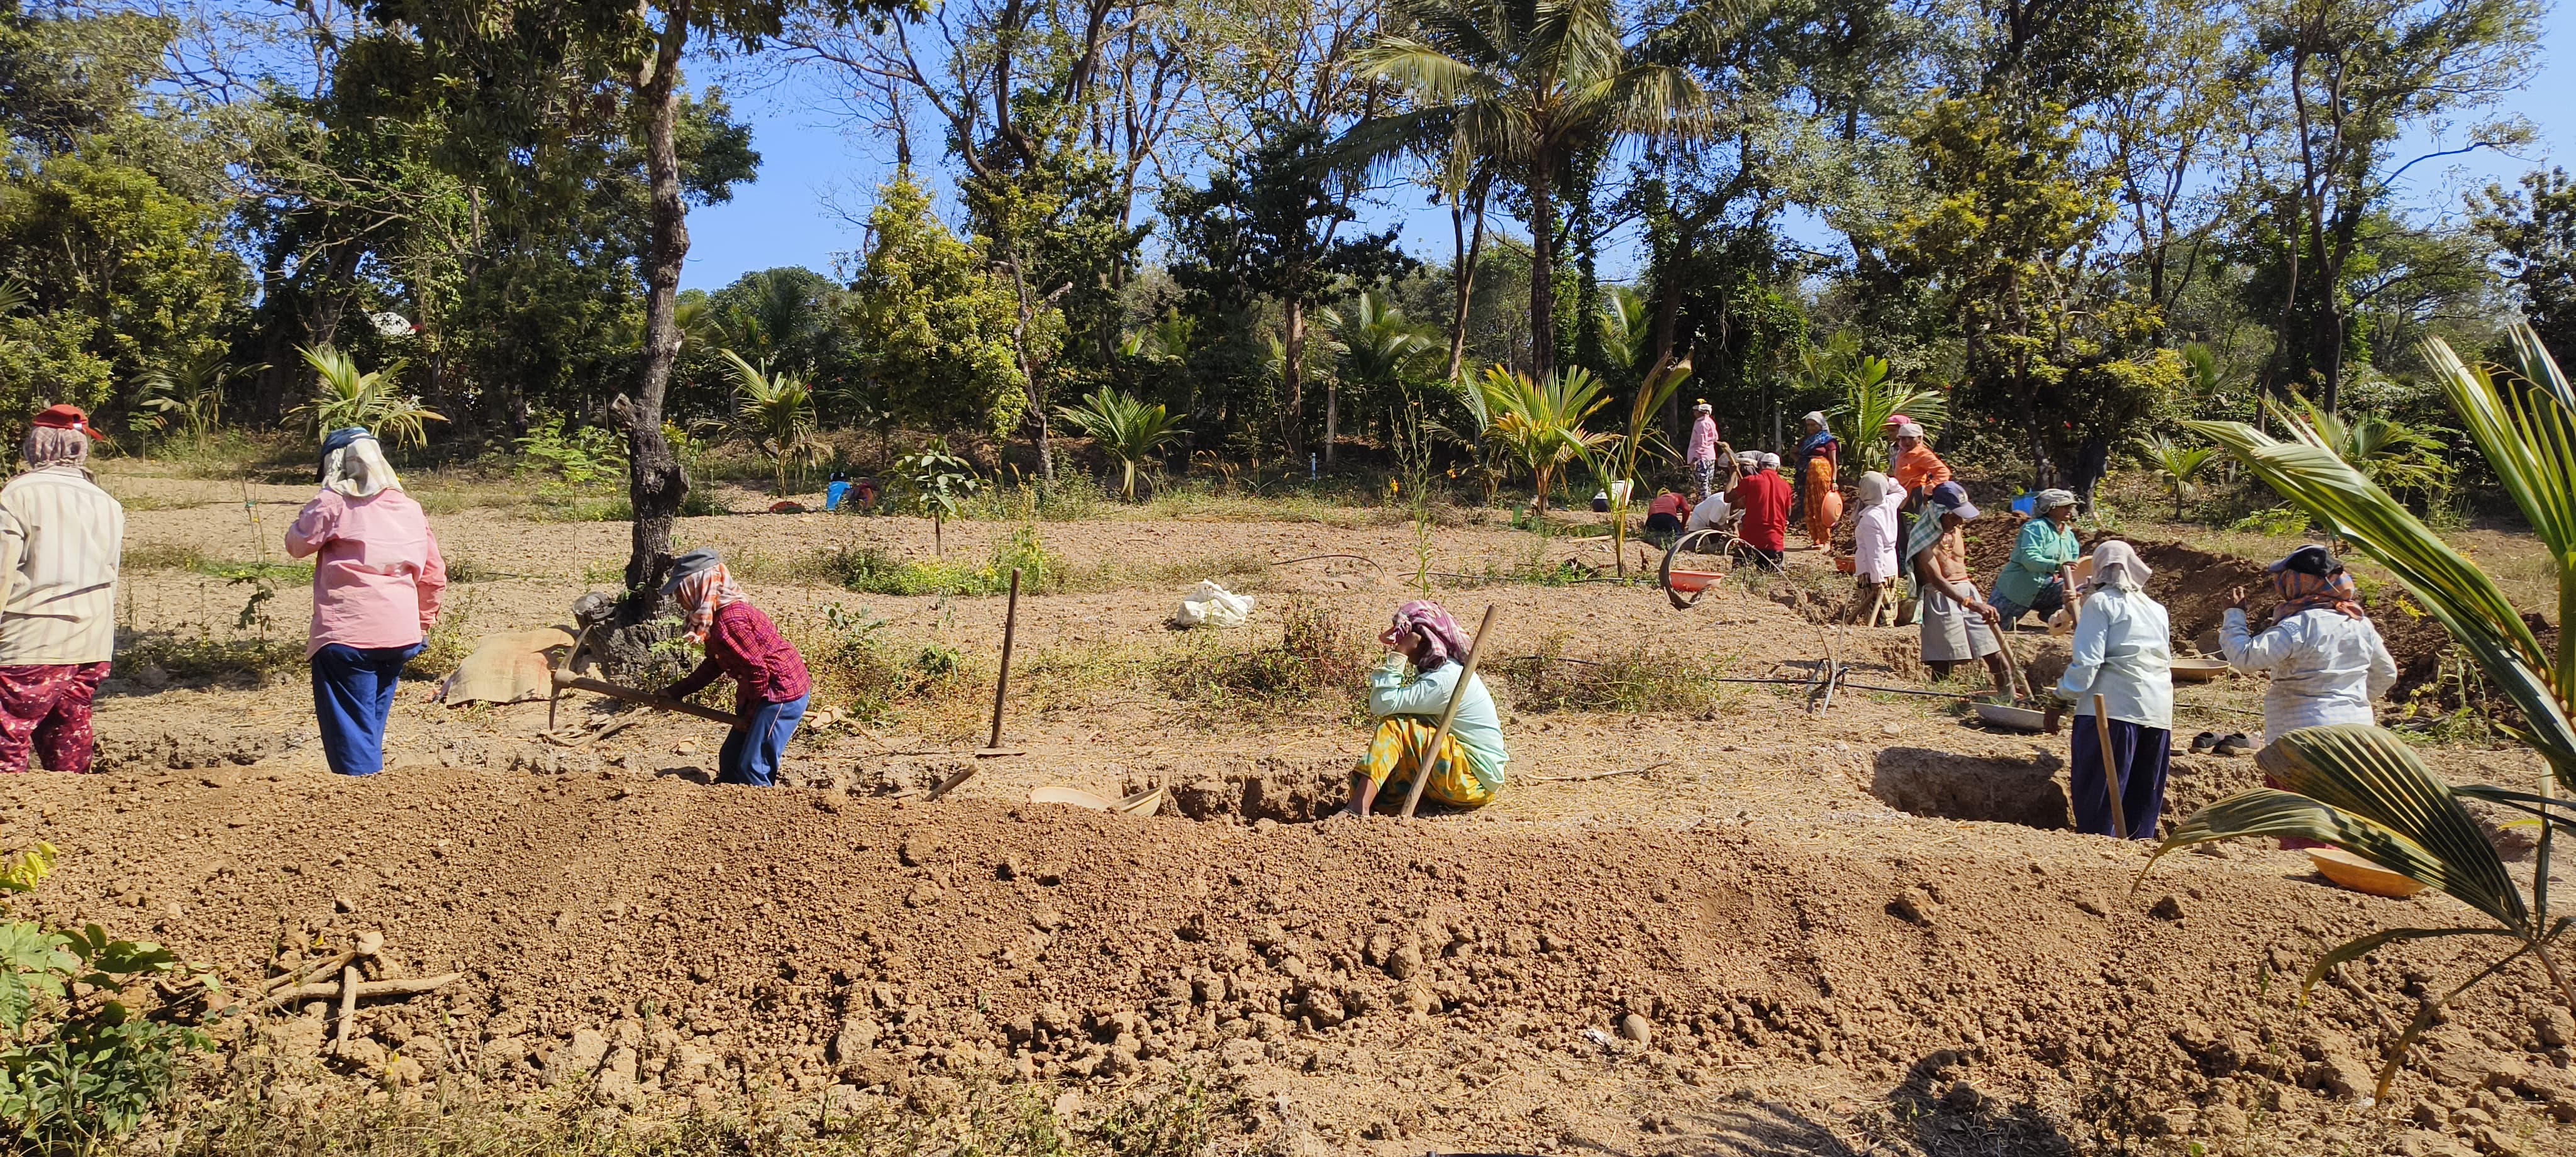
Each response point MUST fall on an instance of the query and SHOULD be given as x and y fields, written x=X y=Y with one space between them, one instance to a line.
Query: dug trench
x=1764 y=985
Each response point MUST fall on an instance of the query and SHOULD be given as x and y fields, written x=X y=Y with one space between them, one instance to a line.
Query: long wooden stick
x=646 y=699
x=1423 y=767
x=2110 y=766
x=1002 y=685
x=2018 y=685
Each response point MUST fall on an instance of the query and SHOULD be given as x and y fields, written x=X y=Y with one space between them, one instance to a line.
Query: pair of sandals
x=2214 y=743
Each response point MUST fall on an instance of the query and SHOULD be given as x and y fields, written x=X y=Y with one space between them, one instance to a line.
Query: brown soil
x=1736 y=928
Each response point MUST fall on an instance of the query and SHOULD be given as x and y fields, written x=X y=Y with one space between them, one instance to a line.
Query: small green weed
x=86 y=1052
x=2278 y=522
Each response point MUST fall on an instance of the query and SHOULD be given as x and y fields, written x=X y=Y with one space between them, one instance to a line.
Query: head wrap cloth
x=2116 y=566
x=1435 y=624
x=354 y=465
x=701 y=585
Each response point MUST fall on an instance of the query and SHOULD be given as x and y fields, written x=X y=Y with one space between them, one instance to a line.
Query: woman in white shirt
x=2124 y=653
x=1874 y=545
x=2327 y=662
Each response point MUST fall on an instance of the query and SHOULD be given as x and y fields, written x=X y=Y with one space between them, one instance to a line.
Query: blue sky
x=812 y=172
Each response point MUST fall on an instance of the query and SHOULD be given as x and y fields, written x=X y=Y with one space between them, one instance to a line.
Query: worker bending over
x=1764 y=497
x=1957 y=625
x=2327 y=662
x=2123 y=652
x=770 y=680
x=1467 y=771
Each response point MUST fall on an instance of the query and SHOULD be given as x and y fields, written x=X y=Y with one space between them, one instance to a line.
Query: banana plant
x=2360 y=788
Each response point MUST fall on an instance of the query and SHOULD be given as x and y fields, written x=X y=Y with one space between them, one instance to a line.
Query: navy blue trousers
x=2144 y=755
x=752 y=751
x=353 y=692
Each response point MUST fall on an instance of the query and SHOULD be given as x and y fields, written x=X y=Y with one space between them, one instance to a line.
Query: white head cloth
x=359 y=469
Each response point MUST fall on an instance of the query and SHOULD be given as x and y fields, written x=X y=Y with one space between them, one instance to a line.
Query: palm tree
x=189 y=397
x=1541 y=422
x=2362 y=789
x=1381 y=347
x=1870 y=398
x=344 y=396
x=1525 y=86
x=2175 y=464
x=775 y=413
x=1624 y=327
x=1131 y=430
x=1616 y=460
x=2399 y=457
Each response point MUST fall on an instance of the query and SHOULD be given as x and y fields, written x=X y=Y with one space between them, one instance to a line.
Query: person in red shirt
x=1764 y=498
x=1665 y=514
x=770 y=680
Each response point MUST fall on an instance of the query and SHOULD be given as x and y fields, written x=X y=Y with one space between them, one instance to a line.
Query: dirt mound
x=667 y=944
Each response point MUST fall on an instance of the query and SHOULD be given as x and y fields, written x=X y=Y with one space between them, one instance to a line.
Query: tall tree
x=1268 y=227
x=2348 y=80
x=1531 y=86
x=2534 y=231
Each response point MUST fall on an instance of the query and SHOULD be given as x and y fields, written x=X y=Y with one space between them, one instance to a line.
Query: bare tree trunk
x=655 y=483
x=1332 y=418
x=1542 y=272
x=1292 y=380
x=1464 y=258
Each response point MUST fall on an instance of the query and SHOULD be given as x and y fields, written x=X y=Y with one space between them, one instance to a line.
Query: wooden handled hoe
x=563 y=678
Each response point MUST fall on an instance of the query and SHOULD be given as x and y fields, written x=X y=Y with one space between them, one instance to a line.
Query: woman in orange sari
x=1819 y=463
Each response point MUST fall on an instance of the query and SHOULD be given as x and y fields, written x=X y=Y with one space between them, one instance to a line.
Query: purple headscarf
x=1447 y=641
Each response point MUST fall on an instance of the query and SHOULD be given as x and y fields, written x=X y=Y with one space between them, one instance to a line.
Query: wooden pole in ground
x=1002 y=685
x=2110 y=767
x=1423 y=768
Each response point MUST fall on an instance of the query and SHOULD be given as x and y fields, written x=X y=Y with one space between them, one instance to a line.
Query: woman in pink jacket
x=376 y=581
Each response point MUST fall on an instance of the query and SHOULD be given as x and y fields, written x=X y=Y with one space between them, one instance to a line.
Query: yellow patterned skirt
x=1395 y=754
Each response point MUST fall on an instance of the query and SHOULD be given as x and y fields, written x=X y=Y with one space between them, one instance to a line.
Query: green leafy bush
x=80 y=1061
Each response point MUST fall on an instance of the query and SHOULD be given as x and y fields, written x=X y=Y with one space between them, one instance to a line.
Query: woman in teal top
x=2035 y=579
x=1468 y=771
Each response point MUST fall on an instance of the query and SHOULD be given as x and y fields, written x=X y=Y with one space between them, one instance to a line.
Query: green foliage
x=936 y=481
x=187 y=400
x=870 y=570
x=1529 y=92
x=1869 y=397
x=1130 y=430
x=2008 y=219
x=932 y=325
x=82 y=1059
x=2393 y=455
x=580 y=457
x=2176 y=465
x=1541 y=423
x=2535 y=232
x=775 y=413
x=345 y=396
x=125 y=278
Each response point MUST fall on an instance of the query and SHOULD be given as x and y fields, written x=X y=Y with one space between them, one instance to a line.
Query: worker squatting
x=378 y=577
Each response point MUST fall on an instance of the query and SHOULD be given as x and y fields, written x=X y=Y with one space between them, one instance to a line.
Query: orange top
x=1919 y=468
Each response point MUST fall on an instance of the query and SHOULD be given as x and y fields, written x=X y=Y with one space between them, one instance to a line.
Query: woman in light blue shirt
x=1468 y=769
x=2123 y=653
